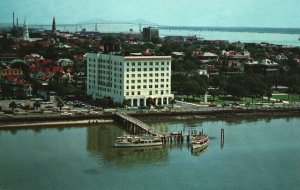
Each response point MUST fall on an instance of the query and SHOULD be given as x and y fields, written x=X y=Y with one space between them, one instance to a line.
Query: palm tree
x=13 y=105
x=36 y=105
x=60 y=104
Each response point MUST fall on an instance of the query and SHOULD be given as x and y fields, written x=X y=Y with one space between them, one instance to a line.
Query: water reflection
x=198 y=152
x=100 y=143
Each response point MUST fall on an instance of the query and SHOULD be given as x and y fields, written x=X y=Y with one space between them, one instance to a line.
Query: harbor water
x=257 y=154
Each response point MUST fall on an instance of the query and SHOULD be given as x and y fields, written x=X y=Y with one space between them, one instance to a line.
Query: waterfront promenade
x=49 y=120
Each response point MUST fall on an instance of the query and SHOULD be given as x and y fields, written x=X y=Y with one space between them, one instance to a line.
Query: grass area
x=229 y=100
x=290 y=97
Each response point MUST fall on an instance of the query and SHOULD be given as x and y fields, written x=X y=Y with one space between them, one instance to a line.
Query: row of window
x=150 y=86
x=146 y=63
x=147 y=69
x=155 y=92
x=146 y=81
x=146 y=75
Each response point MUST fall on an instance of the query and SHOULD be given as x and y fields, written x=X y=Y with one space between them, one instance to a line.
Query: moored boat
x=137 y=141
x=199 y=142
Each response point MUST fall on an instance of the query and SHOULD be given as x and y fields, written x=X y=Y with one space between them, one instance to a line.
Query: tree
x=150 y=102
x=236 y=90
x=36 y=105
x=126 y=103
x=60 y=104
x=13 y=106
x=172 y=101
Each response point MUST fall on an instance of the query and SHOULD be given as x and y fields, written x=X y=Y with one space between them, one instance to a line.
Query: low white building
x=64 y=62
x=134 y=79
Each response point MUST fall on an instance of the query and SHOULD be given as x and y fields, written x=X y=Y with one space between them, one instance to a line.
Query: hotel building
x=133 y=79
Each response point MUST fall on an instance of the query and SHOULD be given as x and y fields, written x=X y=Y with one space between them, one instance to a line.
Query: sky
x=226 y=13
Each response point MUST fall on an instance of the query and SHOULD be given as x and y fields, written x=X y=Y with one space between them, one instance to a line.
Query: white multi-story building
x=133 y=79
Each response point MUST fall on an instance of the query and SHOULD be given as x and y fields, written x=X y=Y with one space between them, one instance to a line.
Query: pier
x=138 y=127
x=134 y=125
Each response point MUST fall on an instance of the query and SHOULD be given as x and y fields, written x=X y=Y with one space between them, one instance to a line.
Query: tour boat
x=199 y=141
x=137 y=141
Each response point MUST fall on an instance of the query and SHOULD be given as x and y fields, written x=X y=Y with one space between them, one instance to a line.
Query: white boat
x=199 y=142
x=137 y=141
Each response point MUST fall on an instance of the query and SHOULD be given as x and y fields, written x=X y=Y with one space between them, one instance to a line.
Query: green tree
x=36 y=105
x=60 y=104
x=13 y=106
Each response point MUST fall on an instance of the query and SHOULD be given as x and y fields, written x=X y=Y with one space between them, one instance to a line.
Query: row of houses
x=232 y=62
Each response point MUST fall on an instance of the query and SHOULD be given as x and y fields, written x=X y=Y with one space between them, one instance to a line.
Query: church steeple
x=53 y=25
x=25 y=31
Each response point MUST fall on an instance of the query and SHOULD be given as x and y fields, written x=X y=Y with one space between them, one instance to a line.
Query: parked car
x=212 y=105
x=65 y=113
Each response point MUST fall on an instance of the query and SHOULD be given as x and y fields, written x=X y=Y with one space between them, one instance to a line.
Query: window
x=132 y=93
x=150 y=80
x=139 y=69
x=150 y=86
x=151 y=63
x=133 y=69
x=139 y=63
x=156 y=80
x=139 y=93
x=156 y=63
x=144 y=86
x=133 y=64
x=132 y=87
x=162 y=63
x=145 y=63
x=127 y=93
x=156 y=69
x=139 y=75
x=150 y=69
x=132 y=81
x=145 y=75
x=138 y=86
x=145 y=80
x=156 y=74
x=162 y=74
x=156 y=86
x=161 y=86
x=133 y=75
x=145 y=69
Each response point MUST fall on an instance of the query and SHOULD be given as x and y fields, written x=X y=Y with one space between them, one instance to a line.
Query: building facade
x=131 y=79
x=149 y=33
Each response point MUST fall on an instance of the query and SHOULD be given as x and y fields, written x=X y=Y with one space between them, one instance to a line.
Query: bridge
x=94 y=23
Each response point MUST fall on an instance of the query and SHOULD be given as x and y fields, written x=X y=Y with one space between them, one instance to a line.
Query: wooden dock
x=135 y=126
x=138 y=127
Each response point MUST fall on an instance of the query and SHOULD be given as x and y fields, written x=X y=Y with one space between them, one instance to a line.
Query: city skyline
x=220 y=13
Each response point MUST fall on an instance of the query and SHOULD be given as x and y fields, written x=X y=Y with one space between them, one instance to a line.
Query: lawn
x=229 y=99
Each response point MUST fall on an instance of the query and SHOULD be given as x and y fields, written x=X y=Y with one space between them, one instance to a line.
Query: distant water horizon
x=278 y=36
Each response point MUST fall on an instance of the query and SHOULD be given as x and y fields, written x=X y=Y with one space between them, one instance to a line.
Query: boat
x=199 y=142
x=137 y=141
